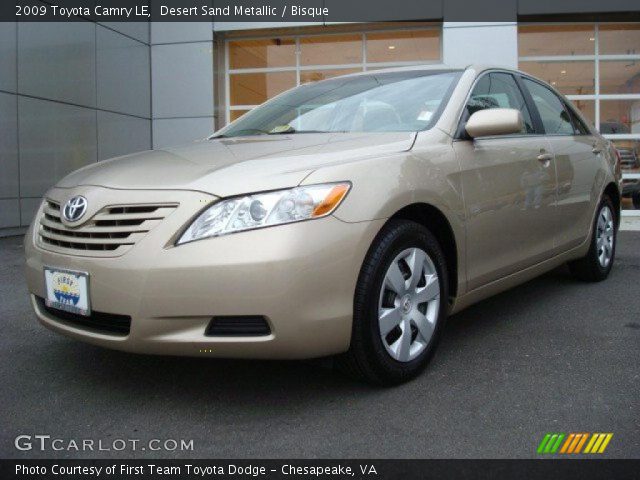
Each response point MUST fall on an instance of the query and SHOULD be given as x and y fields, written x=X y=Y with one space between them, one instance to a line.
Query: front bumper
x=301 y=277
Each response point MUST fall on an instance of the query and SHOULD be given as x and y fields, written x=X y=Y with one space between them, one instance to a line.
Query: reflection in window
x=403 y=46
x=256 y=88
x=570 y=78
x=620 y=116
x=331 y=50
x=555 y=119
x=309 y=76
x=272 y=52
x=499 y=90
x=235 y=114
x=619 y=38
x=536 y=40
x=620 y=77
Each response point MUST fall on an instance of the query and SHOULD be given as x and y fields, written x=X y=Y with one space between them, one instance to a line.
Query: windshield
x=387 y=102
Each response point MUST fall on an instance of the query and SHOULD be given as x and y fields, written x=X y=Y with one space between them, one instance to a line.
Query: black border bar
x=584 y=469
x=322 y=11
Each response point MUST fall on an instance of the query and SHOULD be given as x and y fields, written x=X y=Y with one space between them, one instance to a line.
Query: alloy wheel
x=605 y=236
x=409 y=304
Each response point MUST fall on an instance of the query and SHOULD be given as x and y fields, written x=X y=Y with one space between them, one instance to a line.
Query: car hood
x=231 y=166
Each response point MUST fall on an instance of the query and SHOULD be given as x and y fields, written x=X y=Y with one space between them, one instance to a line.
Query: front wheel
x=399 y=306
x=596 y=265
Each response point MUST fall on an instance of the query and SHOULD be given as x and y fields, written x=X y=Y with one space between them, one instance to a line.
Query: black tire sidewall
x=603 y=272
x=395 y=238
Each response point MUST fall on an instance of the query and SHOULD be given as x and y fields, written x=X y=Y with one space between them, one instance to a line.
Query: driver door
x=509 y=188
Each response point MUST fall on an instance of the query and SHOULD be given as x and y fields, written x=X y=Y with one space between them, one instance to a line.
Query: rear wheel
x=399 y=306
x=596 y=265
x=636 y=200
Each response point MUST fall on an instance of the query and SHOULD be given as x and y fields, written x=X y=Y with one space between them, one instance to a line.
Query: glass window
x=537 y=40
x=620 y=77
x=619 y=38
x=235 y=114
x=331 y=50
x=309 y=76
x=587 y=109
x=256 y=88
x=554 y=116
x=629 y=153
x=620 y=116
x=570 y=78
x=385 y=102
x=272 y=52
x=403 y=46
x=579 y=128
x=499 y=90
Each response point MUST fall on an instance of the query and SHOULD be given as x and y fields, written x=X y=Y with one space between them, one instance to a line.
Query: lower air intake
x=238 y=326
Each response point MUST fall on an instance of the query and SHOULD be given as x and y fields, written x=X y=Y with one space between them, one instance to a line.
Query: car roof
x=437 y=67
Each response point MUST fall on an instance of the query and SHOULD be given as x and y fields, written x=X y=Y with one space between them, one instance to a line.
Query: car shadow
x=273 y=382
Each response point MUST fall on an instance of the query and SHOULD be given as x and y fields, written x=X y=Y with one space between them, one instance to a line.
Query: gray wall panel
x=138 y=30
x=8 y=56
x=54 y=139
x=123 y=74
x=9 y=213
x=121 y=134
x=8 y=146
x=176 y=131
x=179 y=32
x=57 y=61
x=28 y=208
x=182 y=80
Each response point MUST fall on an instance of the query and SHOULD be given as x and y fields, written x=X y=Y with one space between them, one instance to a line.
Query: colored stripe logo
x=573 y=443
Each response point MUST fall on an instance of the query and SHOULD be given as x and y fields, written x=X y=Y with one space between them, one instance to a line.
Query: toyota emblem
x=74 y=209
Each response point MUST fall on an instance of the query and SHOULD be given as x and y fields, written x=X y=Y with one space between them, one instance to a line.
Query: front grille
x=110 y=232
x=238 y=326
x=108 y=323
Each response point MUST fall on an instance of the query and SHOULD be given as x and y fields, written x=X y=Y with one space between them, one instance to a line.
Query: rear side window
x=555 y=117
x=499 y=90
x=578 y=125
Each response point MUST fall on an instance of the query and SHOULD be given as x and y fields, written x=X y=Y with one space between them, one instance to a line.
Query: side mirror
x=494 y=121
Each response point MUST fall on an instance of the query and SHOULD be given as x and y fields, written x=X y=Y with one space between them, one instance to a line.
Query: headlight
x=266 y=209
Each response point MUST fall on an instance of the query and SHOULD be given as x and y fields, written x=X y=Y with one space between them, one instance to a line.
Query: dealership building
x=76 y=93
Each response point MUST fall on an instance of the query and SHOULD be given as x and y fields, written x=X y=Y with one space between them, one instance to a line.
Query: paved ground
x=551 y=355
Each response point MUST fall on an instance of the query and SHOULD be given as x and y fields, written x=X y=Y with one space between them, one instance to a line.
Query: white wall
x=182 y=82
x=493 y=43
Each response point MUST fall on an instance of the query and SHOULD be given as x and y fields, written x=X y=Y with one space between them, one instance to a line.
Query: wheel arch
x=613 y=192
x=438 y=224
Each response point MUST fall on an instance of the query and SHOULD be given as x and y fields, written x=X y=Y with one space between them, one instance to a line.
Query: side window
x=499 y=90
x=555 y=117
x=579 y=127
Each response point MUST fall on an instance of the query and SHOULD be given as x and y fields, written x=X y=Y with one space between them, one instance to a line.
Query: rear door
x=576 y=152
x=509 y=185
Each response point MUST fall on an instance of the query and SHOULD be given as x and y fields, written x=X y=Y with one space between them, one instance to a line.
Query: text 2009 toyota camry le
x=346 y=217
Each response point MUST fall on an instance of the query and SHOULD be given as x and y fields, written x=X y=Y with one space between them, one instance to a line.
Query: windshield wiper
x=242 y=133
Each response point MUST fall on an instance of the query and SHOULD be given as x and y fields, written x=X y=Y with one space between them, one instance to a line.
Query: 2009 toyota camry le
x=347 y=217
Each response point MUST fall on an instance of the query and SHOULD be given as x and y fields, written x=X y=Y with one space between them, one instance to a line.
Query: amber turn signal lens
x=331 y=201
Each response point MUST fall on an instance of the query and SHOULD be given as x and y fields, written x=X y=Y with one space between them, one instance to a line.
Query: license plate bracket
x=67 y=290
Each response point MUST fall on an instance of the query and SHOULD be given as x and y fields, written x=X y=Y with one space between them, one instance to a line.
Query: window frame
x=461 y=133
x=570 y=113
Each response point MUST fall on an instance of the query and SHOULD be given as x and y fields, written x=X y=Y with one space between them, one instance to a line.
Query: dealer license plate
x=67 y=290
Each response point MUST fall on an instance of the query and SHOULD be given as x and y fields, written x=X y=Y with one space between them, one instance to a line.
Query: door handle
x=596 y=149
x=545 y=157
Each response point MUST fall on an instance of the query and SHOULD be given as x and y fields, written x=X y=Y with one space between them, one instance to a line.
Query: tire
x=420 y=303
x=596 y=265
x=635 y=198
